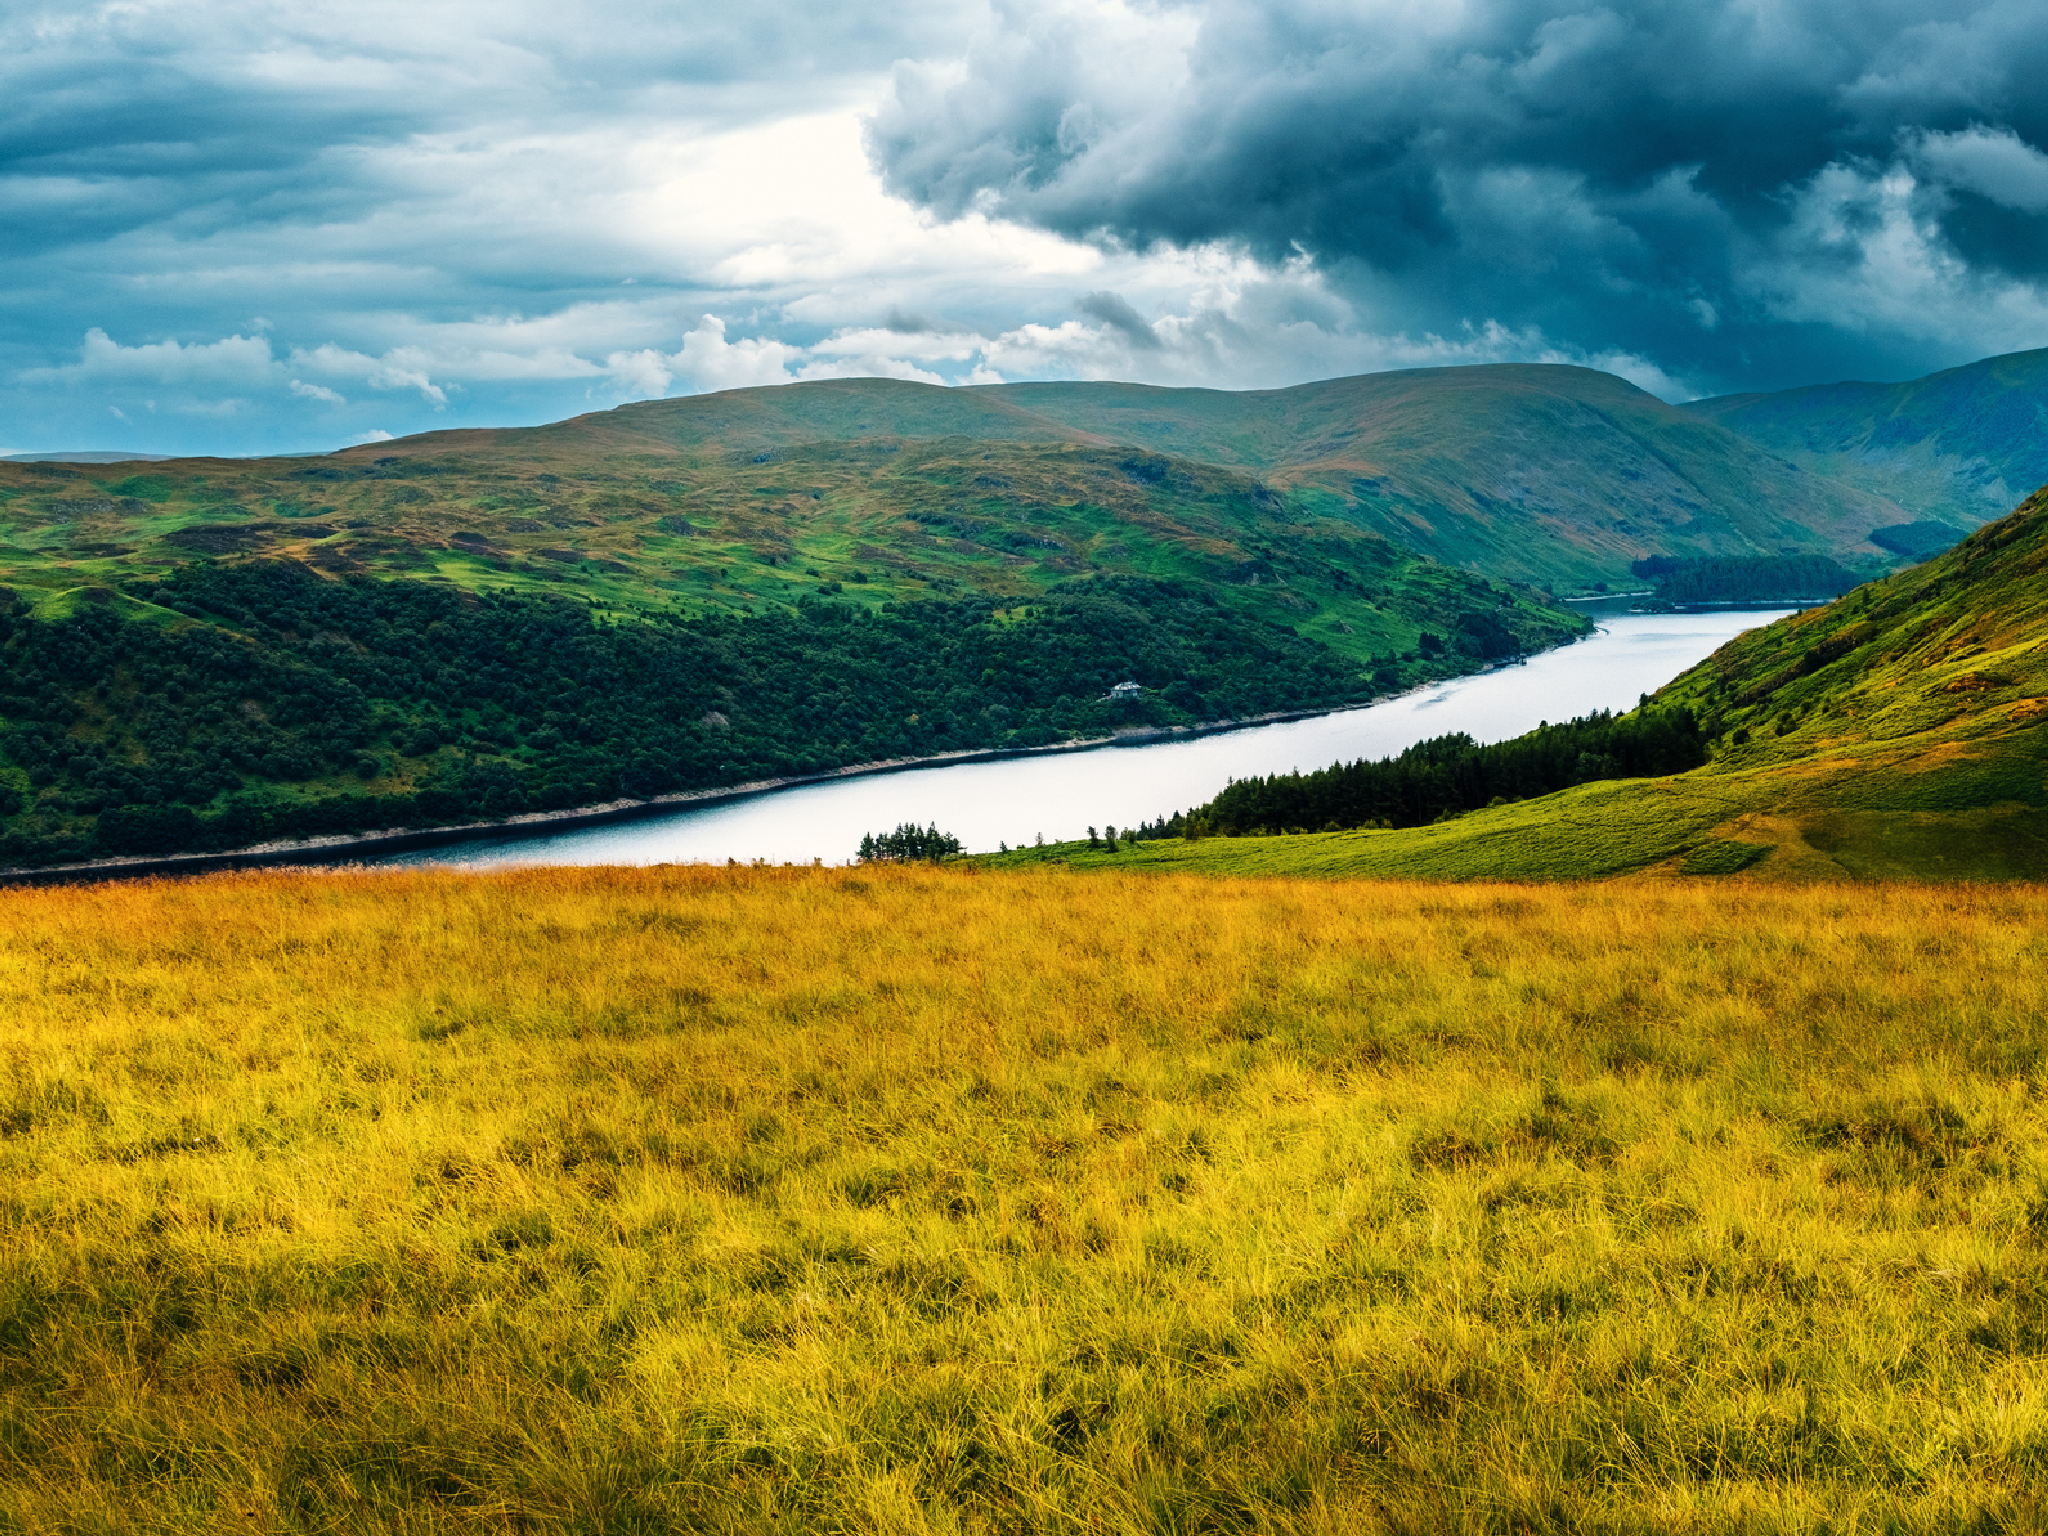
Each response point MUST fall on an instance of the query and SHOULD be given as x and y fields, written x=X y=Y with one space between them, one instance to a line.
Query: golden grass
x=879 y=1200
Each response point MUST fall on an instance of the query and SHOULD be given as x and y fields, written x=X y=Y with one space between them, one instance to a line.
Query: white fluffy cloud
x=237 y=361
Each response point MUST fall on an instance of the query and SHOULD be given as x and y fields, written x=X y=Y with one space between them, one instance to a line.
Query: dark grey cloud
x=1114 y=311
x=1746 y=193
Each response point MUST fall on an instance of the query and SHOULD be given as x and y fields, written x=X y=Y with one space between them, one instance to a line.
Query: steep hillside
x=1901 y=731
x=1890 y=724
x=1533 y=472
x=1957 y=447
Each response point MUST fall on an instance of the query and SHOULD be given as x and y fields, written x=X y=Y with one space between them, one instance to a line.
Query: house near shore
x=1124 y=692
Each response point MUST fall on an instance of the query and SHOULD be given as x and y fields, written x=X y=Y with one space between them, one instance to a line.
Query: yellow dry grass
x=908 y=1200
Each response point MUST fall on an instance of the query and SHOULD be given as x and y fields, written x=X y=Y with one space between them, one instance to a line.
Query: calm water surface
x=1060 y=795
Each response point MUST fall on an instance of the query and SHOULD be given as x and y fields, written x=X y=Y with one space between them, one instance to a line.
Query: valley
x=463 y=625
x=1896 y=732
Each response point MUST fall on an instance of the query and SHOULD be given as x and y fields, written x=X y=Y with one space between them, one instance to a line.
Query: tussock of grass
x=926 y=1200
x=1730 y=856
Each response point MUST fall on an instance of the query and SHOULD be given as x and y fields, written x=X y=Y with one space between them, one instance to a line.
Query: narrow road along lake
x=1059 y=795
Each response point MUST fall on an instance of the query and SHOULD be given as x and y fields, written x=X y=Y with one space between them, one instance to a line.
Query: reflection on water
x=1060 y=795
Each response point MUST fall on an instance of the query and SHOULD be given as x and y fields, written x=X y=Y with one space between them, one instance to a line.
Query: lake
x=1060 y=795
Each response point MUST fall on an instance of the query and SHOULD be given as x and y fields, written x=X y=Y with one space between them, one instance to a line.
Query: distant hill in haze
x=84 y=456
x=1957 y=448
x=1532 y=473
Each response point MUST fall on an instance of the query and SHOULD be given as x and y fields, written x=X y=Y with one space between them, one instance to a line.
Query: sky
x=238 y=227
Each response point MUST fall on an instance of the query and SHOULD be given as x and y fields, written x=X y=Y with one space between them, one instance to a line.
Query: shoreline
x=348 y=847
x=344 y=848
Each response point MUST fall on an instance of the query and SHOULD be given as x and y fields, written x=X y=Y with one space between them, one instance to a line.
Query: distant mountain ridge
x=1526 y=472
x=1540 y=473
x=1960 y=446
x=85 y=456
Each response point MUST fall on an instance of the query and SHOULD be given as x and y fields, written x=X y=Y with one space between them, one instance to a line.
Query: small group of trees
x=1111 y=839
x=908 y=844
x=1453 y=774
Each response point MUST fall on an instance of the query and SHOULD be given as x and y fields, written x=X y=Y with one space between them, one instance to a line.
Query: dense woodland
x=300 y=705
x=1451 y=774
x=1746 y=578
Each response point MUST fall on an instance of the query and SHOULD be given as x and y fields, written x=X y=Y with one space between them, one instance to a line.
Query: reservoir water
x=1060 y=795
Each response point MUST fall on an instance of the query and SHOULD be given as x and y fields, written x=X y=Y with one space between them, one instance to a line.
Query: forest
x=1746 y=578
x=268 y=702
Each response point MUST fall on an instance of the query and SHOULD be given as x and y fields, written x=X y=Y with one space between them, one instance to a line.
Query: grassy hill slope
x=1525 y=472
x=1536 y=472
x=1958 y=447
x=1901 y=731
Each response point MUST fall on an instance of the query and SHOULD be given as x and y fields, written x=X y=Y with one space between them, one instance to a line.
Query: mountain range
x=1960 y=447
x=1528 y=473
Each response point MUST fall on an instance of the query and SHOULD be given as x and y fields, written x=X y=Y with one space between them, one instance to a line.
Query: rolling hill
x=1957 y=447
x=1531 y=473
x=1528 y=471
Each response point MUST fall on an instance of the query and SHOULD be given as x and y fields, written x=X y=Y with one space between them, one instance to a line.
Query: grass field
x=1692 y=824
x=944 y=1201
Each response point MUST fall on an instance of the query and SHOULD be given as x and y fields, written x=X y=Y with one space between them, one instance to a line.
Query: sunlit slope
x=576 y=1202
x=1902 y=731
x=1903 y=715
x=1958 y=446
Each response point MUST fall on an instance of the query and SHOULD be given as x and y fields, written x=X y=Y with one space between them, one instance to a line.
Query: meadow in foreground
x=936 y=1200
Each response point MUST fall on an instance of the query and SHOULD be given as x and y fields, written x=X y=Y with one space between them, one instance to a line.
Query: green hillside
x=205 y=653
x=1957 y=447
x=1535 y=472
x=546 y=512
x=1524 y=472
x=1350 y=538
x=1901 y=731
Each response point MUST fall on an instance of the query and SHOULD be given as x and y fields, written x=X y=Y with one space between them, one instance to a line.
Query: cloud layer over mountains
x=1744 y=192
x=248 y=226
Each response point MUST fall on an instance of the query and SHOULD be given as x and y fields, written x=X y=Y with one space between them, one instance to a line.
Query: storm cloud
x=1746 y=194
